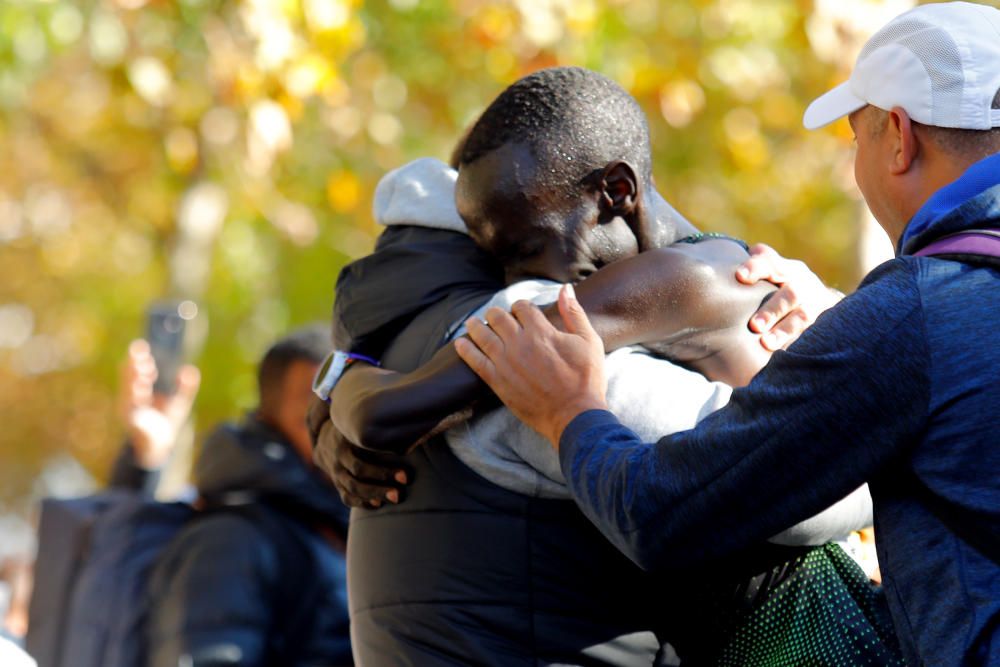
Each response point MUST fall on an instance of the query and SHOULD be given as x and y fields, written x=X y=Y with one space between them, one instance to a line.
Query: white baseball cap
x=939 y=62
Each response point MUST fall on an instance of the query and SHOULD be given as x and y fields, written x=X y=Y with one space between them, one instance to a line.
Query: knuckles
x=790 y=293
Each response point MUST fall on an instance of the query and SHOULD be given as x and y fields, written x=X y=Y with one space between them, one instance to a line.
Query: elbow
x=657 y=545
x=373 y=426
x=651 y=551
x=383 y=425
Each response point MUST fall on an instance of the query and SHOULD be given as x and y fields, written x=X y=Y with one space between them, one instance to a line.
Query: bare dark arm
x=682 y=300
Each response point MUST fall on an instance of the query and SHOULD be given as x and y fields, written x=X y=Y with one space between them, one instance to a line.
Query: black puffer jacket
x=464 y=572
x=467 y=573
x=261 y=583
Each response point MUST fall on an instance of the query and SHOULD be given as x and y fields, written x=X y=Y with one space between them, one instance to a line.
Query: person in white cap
x=897 y=385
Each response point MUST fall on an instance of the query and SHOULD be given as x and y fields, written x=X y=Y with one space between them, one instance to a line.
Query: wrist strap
x=331 y=370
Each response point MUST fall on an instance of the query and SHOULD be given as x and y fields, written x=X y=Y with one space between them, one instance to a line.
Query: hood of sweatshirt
x=972 y=201
x=423 y=259
x=420 y=193
x=251 y=461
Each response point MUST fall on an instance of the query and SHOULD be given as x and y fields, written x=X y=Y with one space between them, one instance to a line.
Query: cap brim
x=835 y=104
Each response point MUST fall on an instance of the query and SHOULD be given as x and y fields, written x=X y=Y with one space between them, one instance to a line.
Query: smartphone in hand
x=166 y=322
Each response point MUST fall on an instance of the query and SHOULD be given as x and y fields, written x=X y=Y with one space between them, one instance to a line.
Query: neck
x=550 y=264
x=269 y=420
x=938 y=171
x=664 y=224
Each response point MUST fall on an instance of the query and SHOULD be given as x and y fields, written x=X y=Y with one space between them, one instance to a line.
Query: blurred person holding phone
x=260 y=577
x=156 y=393
x=153 y=419
x=251 y=572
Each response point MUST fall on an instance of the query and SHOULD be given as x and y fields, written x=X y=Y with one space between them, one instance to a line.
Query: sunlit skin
x=898 y=167
x=503 y=201
x=612 y=236
x=288 y=413
x=391 y=412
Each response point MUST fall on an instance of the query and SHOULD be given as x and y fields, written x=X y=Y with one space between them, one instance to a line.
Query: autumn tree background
x=226 y=151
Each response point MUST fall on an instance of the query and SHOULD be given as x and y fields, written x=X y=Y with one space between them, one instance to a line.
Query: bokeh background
x=226 y=151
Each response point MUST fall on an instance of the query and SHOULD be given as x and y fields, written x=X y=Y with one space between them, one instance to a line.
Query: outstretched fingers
x=763 y=264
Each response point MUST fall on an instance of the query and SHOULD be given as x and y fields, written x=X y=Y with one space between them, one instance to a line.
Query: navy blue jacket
x=223 y=591
x=899 y=385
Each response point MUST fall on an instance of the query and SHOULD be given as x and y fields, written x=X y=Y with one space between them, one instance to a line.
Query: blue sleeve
x=817 y=422
x=212 y=595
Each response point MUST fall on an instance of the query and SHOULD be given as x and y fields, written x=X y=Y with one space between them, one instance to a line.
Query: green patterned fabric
x=698 y=237
x=824 y=612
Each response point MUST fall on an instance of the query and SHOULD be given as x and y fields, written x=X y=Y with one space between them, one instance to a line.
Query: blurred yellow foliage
x=343 y=189
x=226 y=151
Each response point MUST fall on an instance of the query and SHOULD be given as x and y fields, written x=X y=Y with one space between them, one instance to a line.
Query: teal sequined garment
x=713 y=236
x=826 y=612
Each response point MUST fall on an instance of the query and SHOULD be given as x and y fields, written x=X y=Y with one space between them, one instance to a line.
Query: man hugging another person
x=486 y=561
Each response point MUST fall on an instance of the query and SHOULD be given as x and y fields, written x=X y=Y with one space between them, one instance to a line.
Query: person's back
x=465 y=572
x=937 y=517
x=938 y=502
x=226 y=588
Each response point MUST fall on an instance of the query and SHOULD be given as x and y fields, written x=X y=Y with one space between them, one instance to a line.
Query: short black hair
x=310 y=343
x=572 y=119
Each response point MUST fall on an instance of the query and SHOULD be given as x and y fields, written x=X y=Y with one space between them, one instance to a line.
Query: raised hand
x=154 y=421
x=546 y=377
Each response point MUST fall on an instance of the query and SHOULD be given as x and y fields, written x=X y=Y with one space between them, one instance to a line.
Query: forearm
x=386 y=411
x=808 y=430
x=656 y=296
x=665 y=295
x=664 y=508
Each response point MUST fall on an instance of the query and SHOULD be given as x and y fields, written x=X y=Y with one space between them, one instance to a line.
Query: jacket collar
x=971 y=201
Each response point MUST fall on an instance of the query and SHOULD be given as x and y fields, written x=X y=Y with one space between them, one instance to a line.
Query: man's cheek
x=613 y=241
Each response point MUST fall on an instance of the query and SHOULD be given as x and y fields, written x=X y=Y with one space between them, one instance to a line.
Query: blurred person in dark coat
x=264 y=584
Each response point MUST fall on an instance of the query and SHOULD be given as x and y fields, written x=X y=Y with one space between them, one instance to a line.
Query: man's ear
x=905 y=143
x=619 y=190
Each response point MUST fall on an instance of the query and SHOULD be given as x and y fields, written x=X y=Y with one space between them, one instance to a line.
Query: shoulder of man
x=411 y=269
x=221 y=542
x=886 y=297
x=233 y=565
